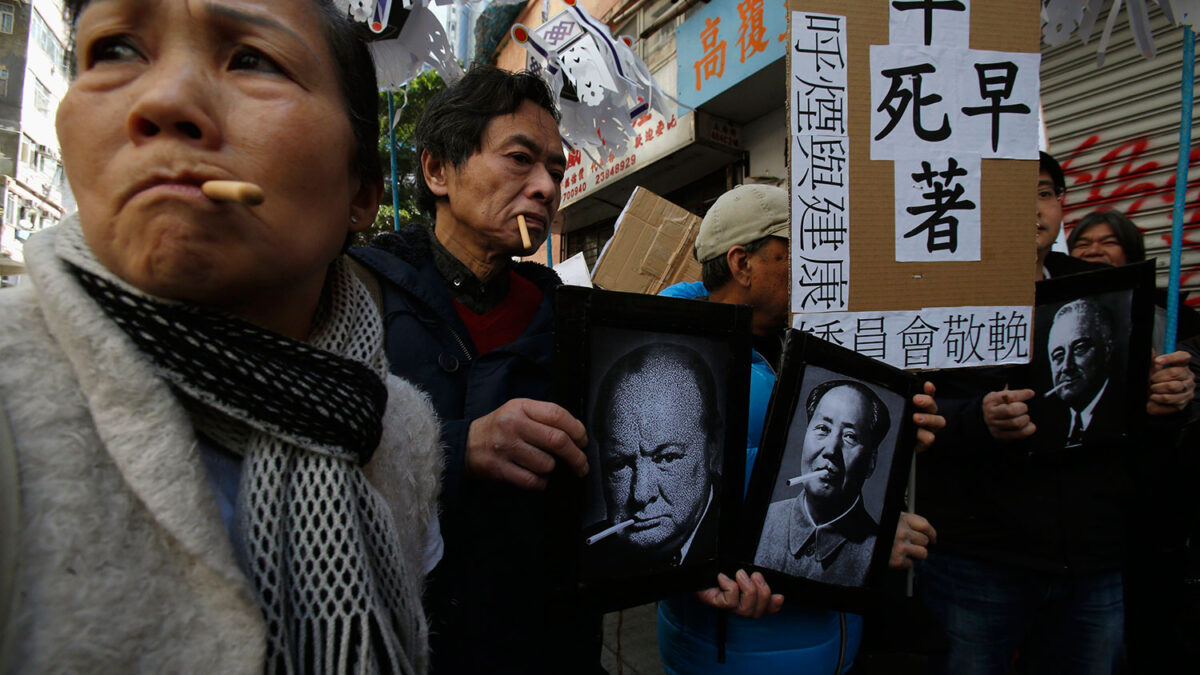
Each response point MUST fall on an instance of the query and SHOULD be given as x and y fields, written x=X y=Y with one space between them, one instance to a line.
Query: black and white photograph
x=835 y=454
x=658 y=439
x=1086 y=327
x=651 y=379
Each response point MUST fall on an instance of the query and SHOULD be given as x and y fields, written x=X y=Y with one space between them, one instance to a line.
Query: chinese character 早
x=996 y=84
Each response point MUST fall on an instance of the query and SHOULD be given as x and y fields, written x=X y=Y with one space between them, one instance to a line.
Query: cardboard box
x=651 y=247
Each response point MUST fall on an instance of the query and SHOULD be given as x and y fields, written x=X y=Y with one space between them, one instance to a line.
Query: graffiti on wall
x=1128 y=175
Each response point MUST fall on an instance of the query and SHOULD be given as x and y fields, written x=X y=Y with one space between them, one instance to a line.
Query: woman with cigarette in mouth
x=216 y=472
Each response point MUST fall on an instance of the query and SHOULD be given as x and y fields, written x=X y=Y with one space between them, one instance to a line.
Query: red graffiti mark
x=1125 y=173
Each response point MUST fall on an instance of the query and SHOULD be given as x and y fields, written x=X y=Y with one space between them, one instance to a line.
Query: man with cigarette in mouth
x=474 y=330
x=660 y=437
x=1032 y=543
x=1080 y=346
x=825 y=532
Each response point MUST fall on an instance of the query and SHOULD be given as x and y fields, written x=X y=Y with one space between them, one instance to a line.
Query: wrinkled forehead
x=1074 y=325
x=661 y=391
x=845 y=405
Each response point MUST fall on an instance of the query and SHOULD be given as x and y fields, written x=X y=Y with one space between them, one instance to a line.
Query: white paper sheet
x=934 y=337
x=925 y=22
x=937 y=208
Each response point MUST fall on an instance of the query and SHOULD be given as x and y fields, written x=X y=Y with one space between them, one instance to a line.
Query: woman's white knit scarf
x=324 y=556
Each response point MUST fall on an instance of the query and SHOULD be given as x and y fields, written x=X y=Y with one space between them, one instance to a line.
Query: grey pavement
x=631 y=642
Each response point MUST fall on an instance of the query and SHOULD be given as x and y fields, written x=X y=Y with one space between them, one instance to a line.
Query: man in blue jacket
x=474 y=330
x=743 y=249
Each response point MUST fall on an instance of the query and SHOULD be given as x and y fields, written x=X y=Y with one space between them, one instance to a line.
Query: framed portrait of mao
x=829 y=480
x=661 y=386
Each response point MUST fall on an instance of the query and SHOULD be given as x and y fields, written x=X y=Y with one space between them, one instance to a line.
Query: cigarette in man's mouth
x=1055 y=390
x=609 y=532
x=793 y=482
x=525 y=241
x=233 y=191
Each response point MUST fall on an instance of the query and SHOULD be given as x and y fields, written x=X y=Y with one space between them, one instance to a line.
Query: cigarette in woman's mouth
x=793 y=482
x=525 y=241
x=610 y=531
x=233 y=191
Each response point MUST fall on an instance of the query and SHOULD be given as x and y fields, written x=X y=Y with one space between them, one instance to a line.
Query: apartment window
x=7 y=14
x=3 y=81
x=46 y=40
x=42 y=100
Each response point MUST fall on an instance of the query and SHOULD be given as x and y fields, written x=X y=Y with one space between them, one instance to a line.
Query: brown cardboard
x=1005 y=274
x=652 y=247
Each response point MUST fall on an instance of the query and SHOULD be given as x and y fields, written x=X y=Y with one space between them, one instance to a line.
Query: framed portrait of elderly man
x=1091 y=356
x=660 y=385
x=831 y=472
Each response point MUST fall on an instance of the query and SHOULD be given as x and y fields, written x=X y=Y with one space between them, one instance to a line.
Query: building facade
x=34 y=74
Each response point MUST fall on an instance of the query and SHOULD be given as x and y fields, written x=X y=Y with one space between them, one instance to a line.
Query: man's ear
x=435 y=170
x=365 y=204
x=739 y=265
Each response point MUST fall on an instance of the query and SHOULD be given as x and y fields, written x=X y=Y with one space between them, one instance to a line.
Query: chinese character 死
x=823 y=281
x=917 y=342
x=712 y=64
x=751 y=31
x=940 y=227
x=929 y=6
x=897 y=92
x=996 y=86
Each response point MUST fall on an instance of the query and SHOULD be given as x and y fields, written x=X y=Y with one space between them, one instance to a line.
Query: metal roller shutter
x=1115 y=129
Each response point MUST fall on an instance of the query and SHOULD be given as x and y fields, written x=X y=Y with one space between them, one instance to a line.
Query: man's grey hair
x=1097 y=313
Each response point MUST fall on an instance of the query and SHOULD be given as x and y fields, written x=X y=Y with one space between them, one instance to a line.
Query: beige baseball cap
x=744 y=214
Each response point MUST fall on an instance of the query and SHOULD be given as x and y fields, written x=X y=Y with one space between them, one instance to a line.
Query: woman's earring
x=354 y=220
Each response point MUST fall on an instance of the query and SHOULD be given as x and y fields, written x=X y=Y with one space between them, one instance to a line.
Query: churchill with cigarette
x=659 y=433
x=825 y=532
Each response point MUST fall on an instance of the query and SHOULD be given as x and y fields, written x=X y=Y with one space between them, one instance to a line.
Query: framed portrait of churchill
x=1091 y=357
x=829 y=480
x=661 y=385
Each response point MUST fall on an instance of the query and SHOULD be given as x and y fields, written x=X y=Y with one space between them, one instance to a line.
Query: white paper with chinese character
x=937 y=208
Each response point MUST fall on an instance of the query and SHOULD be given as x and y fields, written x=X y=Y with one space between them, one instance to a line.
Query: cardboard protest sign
x=913 y=167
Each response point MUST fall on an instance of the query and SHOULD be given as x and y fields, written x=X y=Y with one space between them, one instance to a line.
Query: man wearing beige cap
x=743 y=248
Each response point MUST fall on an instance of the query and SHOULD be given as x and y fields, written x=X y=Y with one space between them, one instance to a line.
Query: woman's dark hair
x=451 y=126
x=1128 y=235
x=356 y=76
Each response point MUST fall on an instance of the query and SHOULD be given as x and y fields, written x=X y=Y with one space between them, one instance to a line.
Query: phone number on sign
x=612 y=171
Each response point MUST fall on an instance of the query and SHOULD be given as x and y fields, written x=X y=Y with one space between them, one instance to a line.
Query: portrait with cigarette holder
x=1091 y=357
x=661 y=385
x=828 y=485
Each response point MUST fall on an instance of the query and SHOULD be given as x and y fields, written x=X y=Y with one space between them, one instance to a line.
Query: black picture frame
x=1122 y=297
x=850 y=575
x=597 y=332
